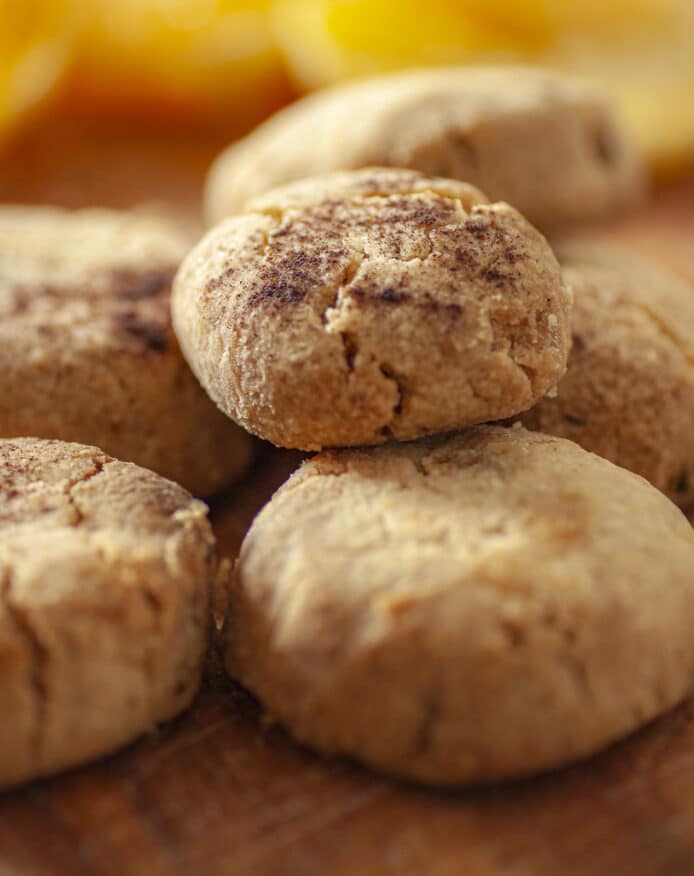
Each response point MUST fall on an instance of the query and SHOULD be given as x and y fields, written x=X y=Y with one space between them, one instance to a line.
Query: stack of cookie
x=483 y=601
x=106 y=569
x=463 y=603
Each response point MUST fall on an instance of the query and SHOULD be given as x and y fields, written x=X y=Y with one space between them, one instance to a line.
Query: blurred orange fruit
x=329 y=40
x=35 y=44
x=211 y=59
x=641 y=50
x=224 y=62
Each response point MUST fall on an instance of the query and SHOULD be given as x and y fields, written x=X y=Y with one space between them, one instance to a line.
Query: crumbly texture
x=372 y=304
x=548 y=144
x=628 y=394
x=106 y=572
x=87 y=351
x=464 y=609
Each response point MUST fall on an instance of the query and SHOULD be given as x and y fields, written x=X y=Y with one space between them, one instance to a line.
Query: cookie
x=86 y=346
x=464 y=609
x=628 y=394
x=105 y=580
x=372 y=304
x=548 y=144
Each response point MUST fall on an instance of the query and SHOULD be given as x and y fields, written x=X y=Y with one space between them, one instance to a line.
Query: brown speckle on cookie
x=84 y=297
x=135 y=286
x=474 y=324
x=152 y=334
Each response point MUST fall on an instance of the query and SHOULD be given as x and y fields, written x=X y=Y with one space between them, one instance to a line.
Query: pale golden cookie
x=372 y=304
x=465 y=609
x=86 y=347
x=105 y=580
x=628 y=394
x=548 y=144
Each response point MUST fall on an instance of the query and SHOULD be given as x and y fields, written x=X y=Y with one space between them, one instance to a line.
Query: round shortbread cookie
x=371 y=304
x=628 y=394
x=105 y=580
x=464 y=609
x=548 y=144
x=86 y=347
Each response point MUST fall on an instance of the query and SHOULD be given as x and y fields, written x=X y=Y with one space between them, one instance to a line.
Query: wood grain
x=218 y=792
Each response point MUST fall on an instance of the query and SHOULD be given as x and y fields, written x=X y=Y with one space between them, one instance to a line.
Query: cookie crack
x=39 y=662
x=267 y=233
x=343 y=282
x=80 y=516
x=72 y=502
x=350 y=349
x=350 y=345
x=496 y=346
x=396 y=379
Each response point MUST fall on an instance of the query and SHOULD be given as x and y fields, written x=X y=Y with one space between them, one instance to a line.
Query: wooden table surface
x=218 y=792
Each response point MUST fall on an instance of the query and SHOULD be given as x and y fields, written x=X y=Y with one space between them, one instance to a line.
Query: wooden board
x=217 y=792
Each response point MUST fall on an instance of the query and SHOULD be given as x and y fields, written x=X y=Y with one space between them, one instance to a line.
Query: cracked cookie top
x=628 y=394
x=464 y=608
x=547 y=143
x=105 y=578
x=369 y=305
x=87 y=349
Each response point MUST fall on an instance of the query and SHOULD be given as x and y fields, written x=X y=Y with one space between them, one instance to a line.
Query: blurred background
x=112 y=102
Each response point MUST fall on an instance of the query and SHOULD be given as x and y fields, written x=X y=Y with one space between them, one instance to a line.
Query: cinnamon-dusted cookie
x=465 y=609
x=548 y=144
x=86 y=347
x=628 y=393
x=372 y=304
x=105 y=581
